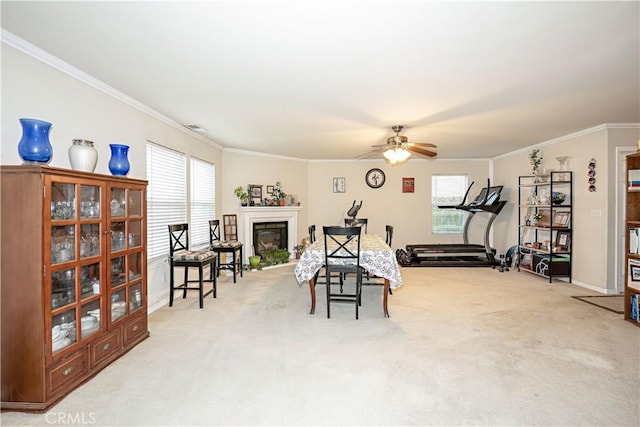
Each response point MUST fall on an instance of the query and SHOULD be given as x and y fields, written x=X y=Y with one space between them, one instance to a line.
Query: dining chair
x=342 y=255
x=223 y=248
x=312 y=233
x=181 y=256
x=357 y=222
x=318 y=275
x=388 y=240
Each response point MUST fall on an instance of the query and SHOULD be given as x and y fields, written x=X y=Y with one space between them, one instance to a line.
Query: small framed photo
x=563 y=241
x=408 y=185
x=339 y=184
x=255 y=193
x=635 y=273
x=269 y=189
x=561 y=219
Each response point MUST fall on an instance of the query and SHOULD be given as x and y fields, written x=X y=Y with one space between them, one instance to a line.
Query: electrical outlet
x=164 y=277
x=596 y=213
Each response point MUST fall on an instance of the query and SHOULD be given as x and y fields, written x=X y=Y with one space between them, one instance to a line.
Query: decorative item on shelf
x=592 y=175
x=543 y=197
x=278 y=195
x=562 y=161
x=535 y=159
x=558 y=198
x=242 y=195
x=119 y=163
x=542 y=175
x=83 y=156
x=34 y=146
x=537 y=217
x=298 y=250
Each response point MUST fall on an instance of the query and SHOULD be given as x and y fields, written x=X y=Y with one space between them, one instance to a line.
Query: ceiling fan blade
x=423 y=152
x=423 y=144
x=383 y=145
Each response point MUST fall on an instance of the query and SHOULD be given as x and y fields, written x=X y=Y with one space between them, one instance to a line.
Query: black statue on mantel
x=354 y=209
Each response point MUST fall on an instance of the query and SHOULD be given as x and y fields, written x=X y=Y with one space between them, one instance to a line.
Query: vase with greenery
x=242 y=195
x=298 y=250
x=278 y=195
x=535 y=158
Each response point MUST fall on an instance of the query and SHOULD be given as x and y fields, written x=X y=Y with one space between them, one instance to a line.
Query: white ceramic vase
x=83 y=156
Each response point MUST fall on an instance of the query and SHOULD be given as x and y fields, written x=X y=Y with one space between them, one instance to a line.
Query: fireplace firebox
x=269 y=235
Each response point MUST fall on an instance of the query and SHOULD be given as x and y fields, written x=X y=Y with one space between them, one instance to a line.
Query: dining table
x=376 y=257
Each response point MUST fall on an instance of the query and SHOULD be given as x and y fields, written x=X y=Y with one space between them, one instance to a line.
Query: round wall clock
x=375 y=178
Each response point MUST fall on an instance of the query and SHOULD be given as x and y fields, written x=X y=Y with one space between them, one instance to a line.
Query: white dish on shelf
x=60 y=344
x=89 y=330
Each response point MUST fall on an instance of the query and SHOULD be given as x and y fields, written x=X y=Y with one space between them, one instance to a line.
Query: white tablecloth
x=375 y=256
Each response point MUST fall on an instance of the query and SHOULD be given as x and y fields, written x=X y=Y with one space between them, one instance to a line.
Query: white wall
x=31 y=88
x=594 y=217
x=242 y=168
x=409 y=213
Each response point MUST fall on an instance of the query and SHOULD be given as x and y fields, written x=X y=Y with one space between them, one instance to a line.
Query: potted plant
x=298 y=249
x=278 y=195
x=242 y=195
x=254 y=261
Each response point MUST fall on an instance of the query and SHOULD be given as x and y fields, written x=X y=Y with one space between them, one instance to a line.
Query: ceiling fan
x=398 y=148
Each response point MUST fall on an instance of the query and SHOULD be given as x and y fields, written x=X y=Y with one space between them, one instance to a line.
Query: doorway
x=621 y=200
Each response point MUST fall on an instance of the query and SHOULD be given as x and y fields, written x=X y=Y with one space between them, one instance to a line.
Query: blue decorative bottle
x=119 y=163
x=34 y=146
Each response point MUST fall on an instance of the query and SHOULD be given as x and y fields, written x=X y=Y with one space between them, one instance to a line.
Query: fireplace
x=251 y=215
x=269 y=235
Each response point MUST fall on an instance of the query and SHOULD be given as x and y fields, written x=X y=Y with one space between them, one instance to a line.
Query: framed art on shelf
x=634 y=270
x=563 y=241
x=255 y=193
x=408 y=185
x=339 y=184
x=561 y=219
x=269 y=189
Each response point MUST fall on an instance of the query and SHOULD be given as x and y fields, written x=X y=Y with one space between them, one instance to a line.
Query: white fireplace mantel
x=252 y=214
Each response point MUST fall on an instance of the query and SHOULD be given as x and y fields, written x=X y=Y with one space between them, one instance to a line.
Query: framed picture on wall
x=408 y=185
x=339 y=184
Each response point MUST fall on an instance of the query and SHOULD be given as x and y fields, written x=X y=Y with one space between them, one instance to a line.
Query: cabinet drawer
x=102 y=349
x=134 y=329
x=67 y=371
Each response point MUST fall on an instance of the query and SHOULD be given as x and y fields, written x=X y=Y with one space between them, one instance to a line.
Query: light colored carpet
x=463 y=346
x=613 y=303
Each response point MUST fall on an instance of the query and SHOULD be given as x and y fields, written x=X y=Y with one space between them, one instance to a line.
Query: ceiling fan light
x=395 y=155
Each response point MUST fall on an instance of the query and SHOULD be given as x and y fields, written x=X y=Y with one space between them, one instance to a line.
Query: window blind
x=166 y=196
x=447 y=190
x=203 y=200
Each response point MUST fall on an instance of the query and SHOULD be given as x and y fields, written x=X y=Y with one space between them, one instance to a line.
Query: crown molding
x=11 y=40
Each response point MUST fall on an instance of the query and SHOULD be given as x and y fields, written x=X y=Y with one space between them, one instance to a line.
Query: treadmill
x=464 y=254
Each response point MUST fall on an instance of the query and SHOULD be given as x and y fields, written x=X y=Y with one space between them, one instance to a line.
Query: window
x=447 y=190
x=203 y=200
x=166 y=196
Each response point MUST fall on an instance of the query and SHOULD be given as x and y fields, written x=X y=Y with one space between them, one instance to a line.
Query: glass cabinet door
x=76 y=269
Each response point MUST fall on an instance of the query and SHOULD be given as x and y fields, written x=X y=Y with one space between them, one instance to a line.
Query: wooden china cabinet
x=73 y=272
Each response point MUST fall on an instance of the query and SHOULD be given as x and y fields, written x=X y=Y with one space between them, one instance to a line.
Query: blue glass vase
x=34 y=146
x=119 y=163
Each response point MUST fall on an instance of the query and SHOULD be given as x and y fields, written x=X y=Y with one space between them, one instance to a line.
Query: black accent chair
x=342 y=259
x=388 y=240
x=357 y=222
x=181 y=256
x=223 y=247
